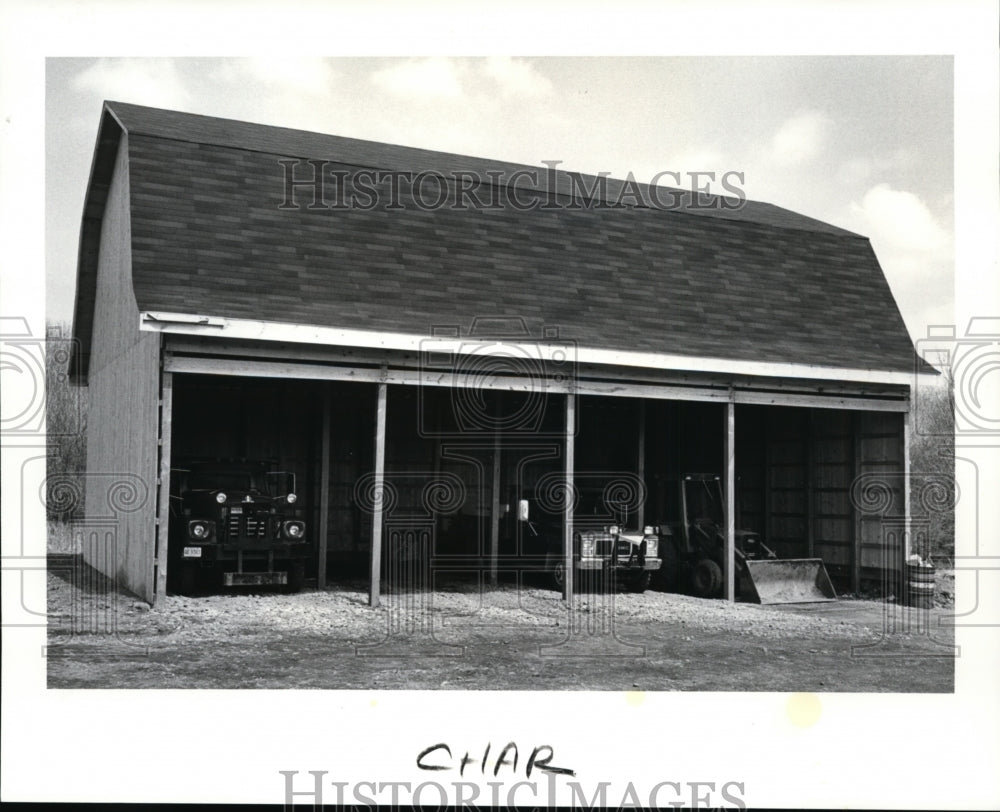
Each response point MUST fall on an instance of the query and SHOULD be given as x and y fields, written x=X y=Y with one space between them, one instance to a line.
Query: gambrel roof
x=210 y=237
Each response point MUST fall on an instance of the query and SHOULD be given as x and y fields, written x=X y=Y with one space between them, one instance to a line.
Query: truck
x=235 y=523
x=604 y=548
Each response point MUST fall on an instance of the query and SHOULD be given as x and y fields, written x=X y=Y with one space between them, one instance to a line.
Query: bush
x=66 y=423
x=932 y=465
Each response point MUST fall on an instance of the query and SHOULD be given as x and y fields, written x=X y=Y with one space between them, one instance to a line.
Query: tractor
x=694 y=556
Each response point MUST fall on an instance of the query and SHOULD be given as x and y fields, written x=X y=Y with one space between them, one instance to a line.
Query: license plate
x=192 y=552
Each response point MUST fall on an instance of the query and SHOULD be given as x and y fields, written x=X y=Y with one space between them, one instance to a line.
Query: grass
x=61 y=538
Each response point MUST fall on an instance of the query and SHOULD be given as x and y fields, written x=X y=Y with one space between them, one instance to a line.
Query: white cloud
x=431 y=78
x=155 y=83
x=516 y=77
x=312 y=75
x=914 y=250
x=901 y=220
x=800 y=138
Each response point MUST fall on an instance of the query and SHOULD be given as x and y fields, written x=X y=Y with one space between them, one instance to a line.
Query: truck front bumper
x=210 y=553
x=255 y=578
x=622 y=565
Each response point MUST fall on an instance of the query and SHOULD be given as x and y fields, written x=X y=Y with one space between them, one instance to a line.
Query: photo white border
x=889 y=751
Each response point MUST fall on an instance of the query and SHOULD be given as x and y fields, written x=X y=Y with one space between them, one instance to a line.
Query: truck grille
x=608 y=546
x=246 y=527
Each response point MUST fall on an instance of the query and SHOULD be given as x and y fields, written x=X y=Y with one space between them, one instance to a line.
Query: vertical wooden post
x=376 y=560
x=163 y=506
x=568 y=505
x=907 y=518
x=324 y=490
x=858 y=520
x=641 y=464
x=810 y=487
x=766 y=480
x=495 y=501
x=730 y=474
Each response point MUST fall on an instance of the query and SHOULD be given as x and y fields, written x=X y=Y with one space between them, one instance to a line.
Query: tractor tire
x=668 y=577
x=559 y=574
x=706 y=580
x=638 y=582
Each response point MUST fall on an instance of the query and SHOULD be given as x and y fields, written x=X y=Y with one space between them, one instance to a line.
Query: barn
x=422 y=337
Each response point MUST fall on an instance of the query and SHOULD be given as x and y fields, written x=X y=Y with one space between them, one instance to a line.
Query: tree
x=932 y=465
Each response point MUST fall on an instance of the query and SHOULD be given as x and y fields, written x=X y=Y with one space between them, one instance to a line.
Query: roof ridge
x=567 y=182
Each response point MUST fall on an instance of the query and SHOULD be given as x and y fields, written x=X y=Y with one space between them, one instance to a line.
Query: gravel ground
x=344 y=610
x=944 y=588
x=312 y=639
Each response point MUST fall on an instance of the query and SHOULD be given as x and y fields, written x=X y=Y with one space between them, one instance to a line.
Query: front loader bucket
x=792 y=580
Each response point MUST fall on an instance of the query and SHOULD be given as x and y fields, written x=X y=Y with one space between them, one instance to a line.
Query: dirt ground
x=467 y=637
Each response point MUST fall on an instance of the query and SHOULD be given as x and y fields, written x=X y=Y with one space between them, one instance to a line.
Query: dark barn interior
x=455 y=458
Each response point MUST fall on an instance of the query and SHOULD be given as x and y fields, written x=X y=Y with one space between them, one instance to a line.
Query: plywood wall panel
x=123 y=415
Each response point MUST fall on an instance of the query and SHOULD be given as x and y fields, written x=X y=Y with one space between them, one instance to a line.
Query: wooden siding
x=122 y=424
x=880 y=445
x=798 y=478
x=833 y=473
x=787 y=481
x=751 y=466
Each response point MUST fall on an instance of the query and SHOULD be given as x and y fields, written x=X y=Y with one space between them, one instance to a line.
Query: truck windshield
x=704 y=500
x=592 y=506
x=227 y=479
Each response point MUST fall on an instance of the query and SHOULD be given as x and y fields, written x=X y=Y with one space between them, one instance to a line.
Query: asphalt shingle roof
x=210 y=236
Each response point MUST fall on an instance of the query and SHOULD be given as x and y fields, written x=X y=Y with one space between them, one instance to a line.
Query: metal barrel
x=920 y=585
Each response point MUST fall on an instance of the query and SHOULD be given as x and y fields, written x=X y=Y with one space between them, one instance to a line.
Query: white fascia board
x=552 y=351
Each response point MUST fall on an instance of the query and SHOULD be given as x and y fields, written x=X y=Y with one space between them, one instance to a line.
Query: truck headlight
x=199 y=529
x=588 y=546
x=613 y=530
x=292 y=498
x=220 y=497
x=293 y=529
x=652 y=547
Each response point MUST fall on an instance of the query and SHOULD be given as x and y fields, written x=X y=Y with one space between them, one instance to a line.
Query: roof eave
x=109 y=133
x=226 y=328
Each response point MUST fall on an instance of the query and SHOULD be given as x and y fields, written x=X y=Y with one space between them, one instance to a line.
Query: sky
x=863 y=142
